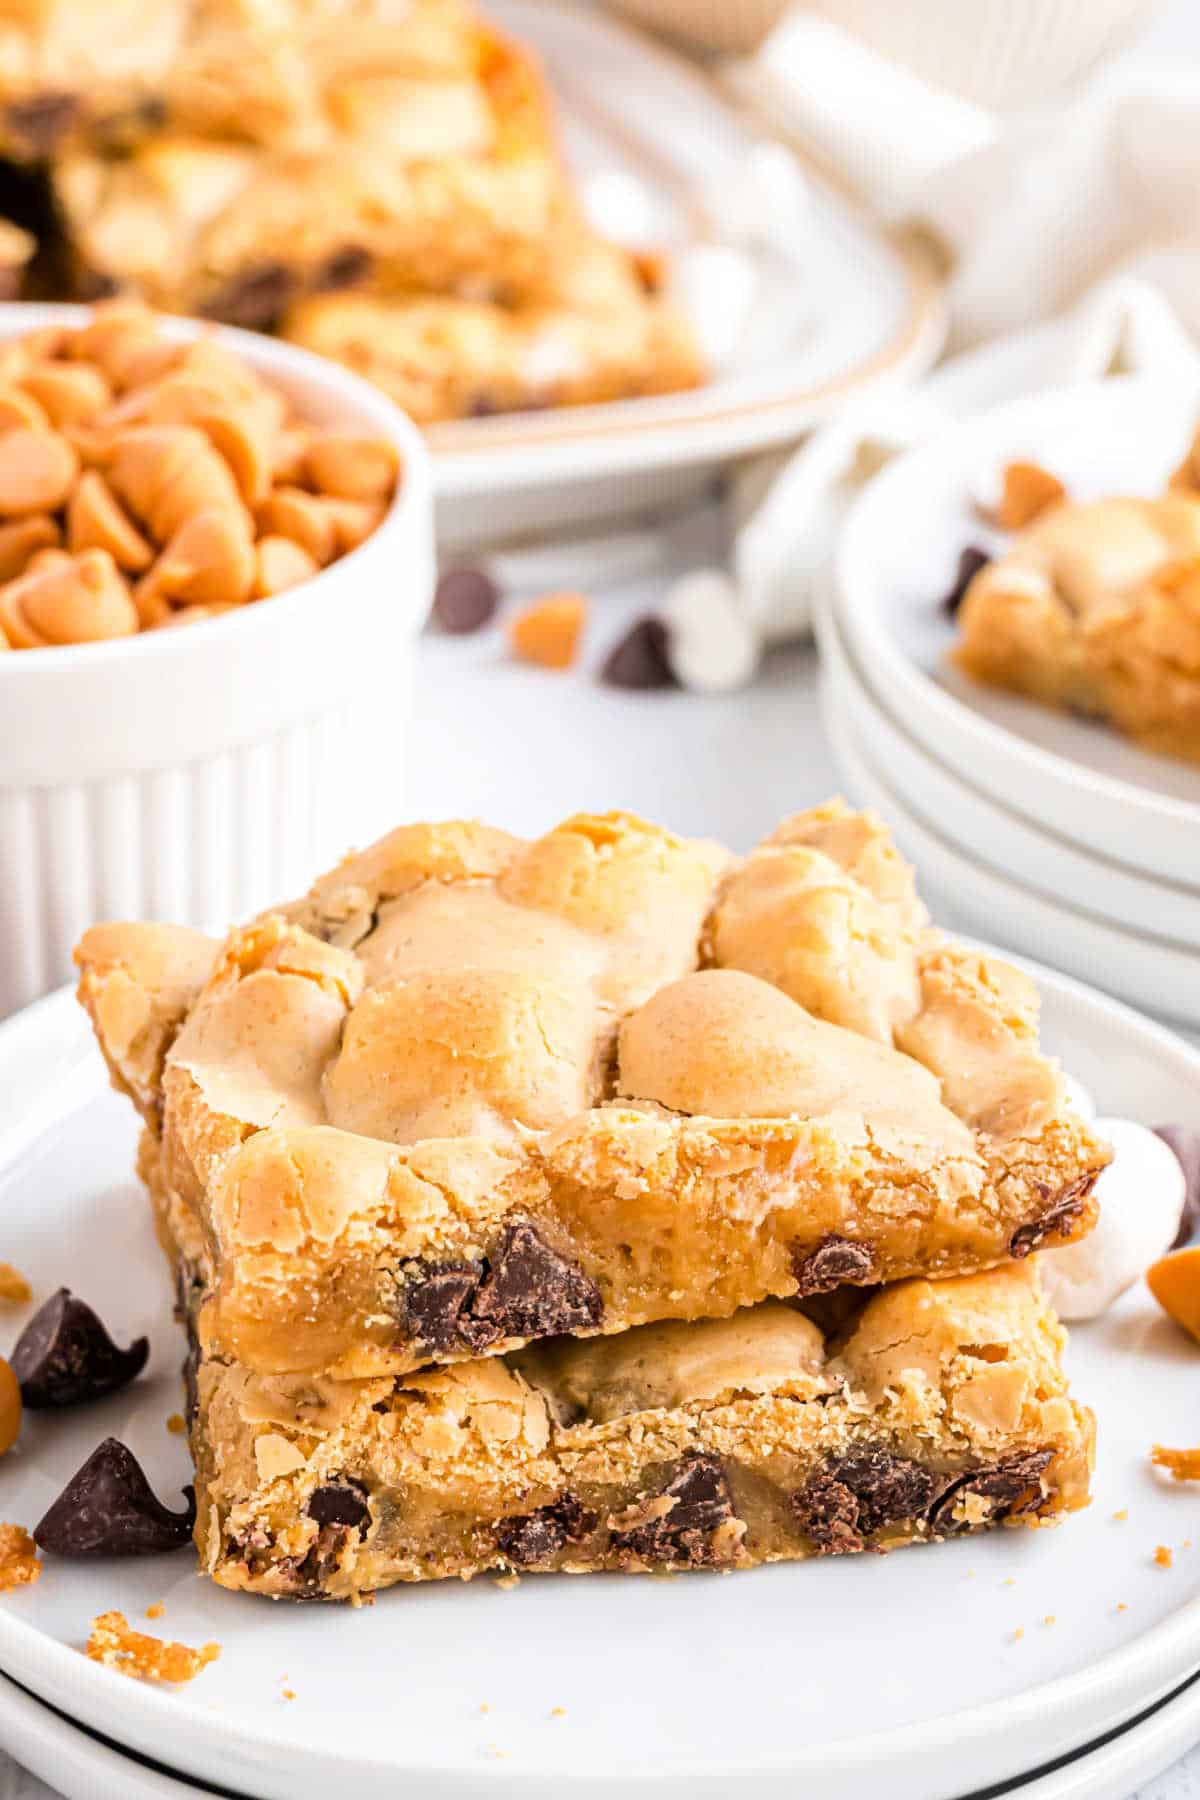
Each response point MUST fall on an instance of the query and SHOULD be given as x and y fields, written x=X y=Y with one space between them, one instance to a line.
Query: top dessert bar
x=472 y=1091
x=1096 y=608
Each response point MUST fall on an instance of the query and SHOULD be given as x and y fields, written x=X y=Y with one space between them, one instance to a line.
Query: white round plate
x=896 y=561
x=1052 y=865
x=817 y=1674
x=844 y=310
x=970 y=892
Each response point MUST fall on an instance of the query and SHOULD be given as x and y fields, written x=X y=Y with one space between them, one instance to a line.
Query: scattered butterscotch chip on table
x=13 y=1285
x=118 y=1646
x=1184 y=1465
x=548 y=630
x=19 y=1564
x=1174 y=1280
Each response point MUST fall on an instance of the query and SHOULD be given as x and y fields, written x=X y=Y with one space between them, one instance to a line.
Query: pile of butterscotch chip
x=146 y=481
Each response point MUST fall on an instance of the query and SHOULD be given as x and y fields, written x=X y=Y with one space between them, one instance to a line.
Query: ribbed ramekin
x=200 y=773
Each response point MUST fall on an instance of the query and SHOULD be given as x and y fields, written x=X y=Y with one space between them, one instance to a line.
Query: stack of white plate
x=1047 y=832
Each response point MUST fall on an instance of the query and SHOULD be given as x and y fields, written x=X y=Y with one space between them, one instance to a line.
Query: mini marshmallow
x=1141 y=1197
x=711 y=645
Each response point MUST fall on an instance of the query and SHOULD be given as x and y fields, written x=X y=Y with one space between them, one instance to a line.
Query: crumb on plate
x=1122 y=1514
x=1163 y=1556
x=1183 y=1464
x=177 y=1424
x=19 y=1565
x=156 y=1611
x=558 y=1712
x=289 y=1693
x=1018 y=1634
x=115 y=1644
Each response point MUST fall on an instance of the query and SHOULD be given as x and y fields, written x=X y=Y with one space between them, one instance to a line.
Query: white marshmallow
x=1141 y=1197
x=711 y=645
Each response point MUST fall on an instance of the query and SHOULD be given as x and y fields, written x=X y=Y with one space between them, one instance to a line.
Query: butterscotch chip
x=37 y=469
x=548 y=631
x=97 y=520
x=353 y=468
x=280 y=564
x=19 y=1564
x=65 y=599
x=23 y=539
x=1028 y=490
x=1184 y=1465
x=209 y=561
x=69 y=393
x=1174 y=1280
x=290 y=512
x=353 y=521
x=117 y=1645
x=19 y=409
x=166 y=474
x=13 y=1285
x=1164 y=1556
x=10 y=1406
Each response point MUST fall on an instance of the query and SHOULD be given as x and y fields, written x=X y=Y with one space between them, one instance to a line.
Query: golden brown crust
x=719 y=1444
x=472 y=1091
x=1096 y=608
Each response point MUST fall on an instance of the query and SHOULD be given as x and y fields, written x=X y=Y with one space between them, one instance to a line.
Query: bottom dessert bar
x=941 y=1408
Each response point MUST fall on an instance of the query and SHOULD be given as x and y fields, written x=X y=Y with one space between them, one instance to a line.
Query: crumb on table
x=13 y=1285
x=1163 y=1556
x=1183 y=1464
x=19 y=1565
x=115 y=1644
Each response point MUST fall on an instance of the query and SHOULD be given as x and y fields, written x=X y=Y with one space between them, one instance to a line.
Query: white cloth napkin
x=1073 y=237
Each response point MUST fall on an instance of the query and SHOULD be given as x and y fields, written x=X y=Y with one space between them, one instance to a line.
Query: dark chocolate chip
x=1059 y=1218
x=94 y=284
x=970 y=562
x=466 y=600
x=834 y=1260
x=255 y=300
x=1010 y=1487
x=860 y=1493
x=344 y=268
x=64 y=1355
x=41 y=123
x=340 y=1503
x=639 y=660
x=1184 y=1140
x=531 y=1291
x=436 y=1308
x=536 y=1536
x=702 y=1503
x=109 y=1509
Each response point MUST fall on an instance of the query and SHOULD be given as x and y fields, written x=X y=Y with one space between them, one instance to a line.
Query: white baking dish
x=199 y=773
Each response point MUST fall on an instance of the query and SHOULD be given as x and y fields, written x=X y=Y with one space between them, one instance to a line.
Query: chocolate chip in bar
x=1185 y=1142
x=108 y=1508
x=639 y=659
x=254 y=300
x=1058 y=1220
x=1007 y=1488
x=970 y=561
x=42 y=122
x=436 y=1308
x=831 y=1262
x=531 y=1291
x=64 y=1356
x=340 y=1503
x=860 y=1493
x=465 y=601
x=535 y=1537
x=698 y=1525
x=343 y=269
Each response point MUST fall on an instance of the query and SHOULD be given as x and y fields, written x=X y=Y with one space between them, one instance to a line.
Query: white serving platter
x=896 y=561
x=967 y=890
x=1054 y=866
x=819 y=1676
x=845 y=310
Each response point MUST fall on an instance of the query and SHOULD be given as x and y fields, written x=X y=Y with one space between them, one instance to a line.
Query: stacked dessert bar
x=601 y=1202
x=381 y=183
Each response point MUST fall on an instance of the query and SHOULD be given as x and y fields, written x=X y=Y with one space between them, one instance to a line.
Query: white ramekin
x=200 y=773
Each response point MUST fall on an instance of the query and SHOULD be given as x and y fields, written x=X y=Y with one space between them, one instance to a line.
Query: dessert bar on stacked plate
x=601 y=1201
